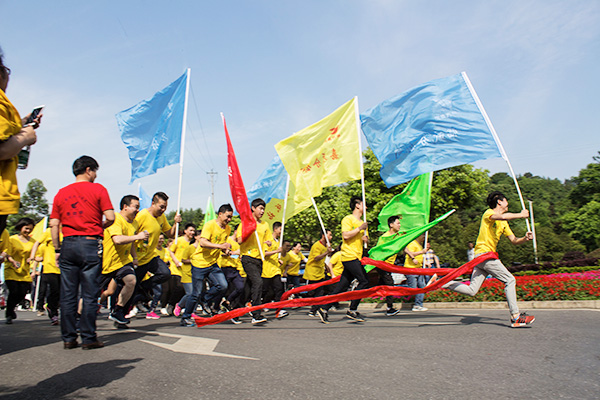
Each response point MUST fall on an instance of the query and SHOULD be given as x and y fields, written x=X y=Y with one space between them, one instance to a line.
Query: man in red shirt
x=79 y=207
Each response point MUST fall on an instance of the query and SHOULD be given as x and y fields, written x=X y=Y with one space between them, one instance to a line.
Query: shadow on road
x=61 y=386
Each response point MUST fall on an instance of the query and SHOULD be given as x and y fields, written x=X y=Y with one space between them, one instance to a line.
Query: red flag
x=238 y=192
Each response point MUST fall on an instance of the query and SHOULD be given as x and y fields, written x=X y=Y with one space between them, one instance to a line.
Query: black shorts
x=117 y=275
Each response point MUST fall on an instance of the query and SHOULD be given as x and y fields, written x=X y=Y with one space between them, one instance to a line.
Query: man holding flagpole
x=354 y=234
x=494 y=224
x=251 y=251
x=153 y=220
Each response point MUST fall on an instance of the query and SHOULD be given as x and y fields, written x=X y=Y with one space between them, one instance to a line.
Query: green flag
x=387 y=246
x=209 y=215
x=412 y=205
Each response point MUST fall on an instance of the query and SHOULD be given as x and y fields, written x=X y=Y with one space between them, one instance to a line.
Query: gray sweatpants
x=498 y=271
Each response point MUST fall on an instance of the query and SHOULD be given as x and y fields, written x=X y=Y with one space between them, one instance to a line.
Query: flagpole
x=430 y=185
x=535 y=252
x=321 y=222
x=497 y=139
x=360 y=159
x=182 y=150
x=287 y=190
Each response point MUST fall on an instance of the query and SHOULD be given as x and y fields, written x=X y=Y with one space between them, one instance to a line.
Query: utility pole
x=212 y=177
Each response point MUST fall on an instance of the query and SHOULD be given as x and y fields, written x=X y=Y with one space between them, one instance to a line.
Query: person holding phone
x=15 y=134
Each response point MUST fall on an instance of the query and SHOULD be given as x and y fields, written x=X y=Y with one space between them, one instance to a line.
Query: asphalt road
x=439 y=354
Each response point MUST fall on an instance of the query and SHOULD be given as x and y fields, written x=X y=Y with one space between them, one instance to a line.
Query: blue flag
x=271 y=183
x=145 y=199
x=430 y=127
x=151 y=129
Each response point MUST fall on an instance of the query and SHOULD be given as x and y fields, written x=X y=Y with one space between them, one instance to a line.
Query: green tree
x=587 y=184
x=33 y=203
x=584 y=225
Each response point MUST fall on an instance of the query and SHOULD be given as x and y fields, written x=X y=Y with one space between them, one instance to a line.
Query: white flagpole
x=430 y=184
x=321 y=222
x=360 y=158
x=181 y=153
x=497 y=139
x=287 y=190
x=535 y=252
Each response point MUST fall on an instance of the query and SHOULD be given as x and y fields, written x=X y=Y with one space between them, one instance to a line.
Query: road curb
x=498 y=305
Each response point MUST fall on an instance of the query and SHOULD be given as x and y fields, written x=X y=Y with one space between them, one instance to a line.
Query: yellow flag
x=39 y=229
x=323 y=154
x=274 y=208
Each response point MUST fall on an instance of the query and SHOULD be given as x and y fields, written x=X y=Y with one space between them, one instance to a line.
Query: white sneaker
x=419 y=308
x=132 y=313
x=163 y=311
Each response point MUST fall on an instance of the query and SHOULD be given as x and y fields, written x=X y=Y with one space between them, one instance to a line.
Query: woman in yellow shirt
x=13 y=137
x=292 y=269
x=17 y=274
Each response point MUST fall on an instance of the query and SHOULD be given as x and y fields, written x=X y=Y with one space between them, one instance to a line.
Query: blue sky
x=275 y=67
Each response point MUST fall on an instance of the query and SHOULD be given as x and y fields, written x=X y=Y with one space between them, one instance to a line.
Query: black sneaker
x=355 y=315
x=119 y=317
x=323 y=315
x=187 y=322
x=391 y=312
x=236 y=320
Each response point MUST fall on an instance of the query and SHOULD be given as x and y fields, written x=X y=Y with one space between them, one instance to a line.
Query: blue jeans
x=416 y=281
x=187 y=288
x=80 y=265
x=217 y=282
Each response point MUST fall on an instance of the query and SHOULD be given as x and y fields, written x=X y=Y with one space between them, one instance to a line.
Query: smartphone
x=34 y=114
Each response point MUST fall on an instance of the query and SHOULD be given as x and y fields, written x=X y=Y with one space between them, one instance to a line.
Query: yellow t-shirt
x=116 y=256
x=204 y=257
x=10 y=124
x=390 y=259
x=336 y=263
x=20 y=252
x=490 y=232
x=295 y=260
x=414 y=247
x=271 y=263
x=352 y=248
x=315 y=270
x=283 y=261
x=181 y=250
x=48 y=254
x=154 y=226
x=233 y=262
x=250 y=247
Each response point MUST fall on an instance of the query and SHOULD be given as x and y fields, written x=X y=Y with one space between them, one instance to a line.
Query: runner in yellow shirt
x=50 y=276
x=271 y=273
x=120 y=258
x=354 y=234
x=213 y=241
x=17 y=268
x=291 y=270
x=385 y=277
x=494 y=224
x=153 y=220
x=231 y=265
x=173 y=290
x=315 y=267
x=252 y=253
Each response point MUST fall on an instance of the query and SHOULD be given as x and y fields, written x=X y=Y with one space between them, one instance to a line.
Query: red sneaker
x=522 y=321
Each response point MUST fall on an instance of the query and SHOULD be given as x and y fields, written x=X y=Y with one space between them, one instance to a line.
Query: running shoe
x=419 y=308
x=323 y=315
x=391 y=312
x=236 y=320
x=132 y=313
x=9 y=320
x=152 y=315
x=355 y=315
x=177 y=310
x=54 y=320
x=281 y=314
x=522 y=321
x=258 y=320
x=311 y=314
x=164 y=312
x=119 y=317
x=40 y=313
x=187 y=322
